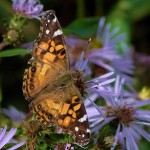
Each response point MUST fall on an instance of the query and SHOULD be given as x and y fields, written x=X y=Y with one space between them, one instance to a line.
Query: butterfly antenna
x=82 y=61
x=89 y=44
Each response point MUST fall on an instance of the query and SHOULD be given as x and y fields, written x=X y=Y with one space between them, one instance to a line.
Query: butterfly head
x=78 y=80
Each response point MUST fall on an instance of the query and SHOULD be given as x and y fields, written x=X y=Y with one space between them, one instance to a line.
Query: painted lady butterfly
x=54 y=90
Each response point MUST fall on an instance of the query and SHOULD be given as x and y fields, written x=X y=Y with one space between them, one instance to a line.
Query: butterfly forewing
x=50 y=46
x=49 y=57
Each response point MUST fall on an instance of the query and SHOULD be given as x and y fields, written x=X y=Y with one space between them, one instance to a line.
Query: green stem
x=80 y=8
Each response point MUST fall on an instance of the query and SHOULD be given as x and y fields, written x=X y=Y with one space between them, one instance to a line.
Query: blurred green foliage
x=14 y=52
x=84 y=28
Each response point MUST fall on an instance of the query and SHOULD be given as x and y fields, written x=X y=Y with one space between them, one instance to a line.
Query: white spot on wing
x=47 y=31
x=88 y=131
x=76 y=128
x=83 y=118
x=58 y=32
x=54 y=20
x=48 y=20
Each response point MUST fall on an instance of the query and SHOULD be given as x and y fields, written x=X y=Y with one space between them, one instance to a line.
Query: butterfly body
x=55 y=91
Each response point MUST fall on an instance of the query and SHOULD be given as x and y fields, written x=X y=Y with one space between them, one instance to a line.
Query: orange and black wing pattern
x=50 y=46
x=49 y=57
x=65 y=109
x=49 y=84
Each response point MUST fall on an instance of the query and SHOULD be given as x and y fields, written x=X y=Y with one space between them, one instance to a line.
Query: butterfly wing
x=52 y=102
x=65 y=109
x=50 y=46
x=49 y=57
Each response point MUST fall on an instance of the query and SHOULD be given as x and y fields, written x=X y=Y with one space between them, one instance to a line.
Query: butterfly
x=55 y=91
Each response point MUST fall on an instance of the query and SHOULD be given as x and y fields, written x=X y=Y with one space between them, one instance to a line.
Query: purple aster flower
x=107 y=56
x=102 y=51
x=97 y=84
x=14 y=114
x=5 y=138
x=128 y=116
x=28 y=8
x=108 y=38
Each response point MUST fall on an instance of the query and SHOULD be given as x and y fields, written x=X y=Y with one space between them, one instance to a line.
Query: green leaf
x=84 y=28
x=131 y=11
x=14 y=52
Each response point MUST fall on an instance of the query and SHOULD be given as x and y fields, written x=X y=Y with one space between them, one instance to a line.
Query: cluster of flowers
x=121 y=105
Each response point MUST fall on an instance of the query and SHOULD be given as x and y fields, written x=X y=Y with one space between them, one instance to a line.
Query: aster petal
x=142 y=103
x=79 y=63
x=96 y=122
x=143 y=112
x=85 y=62
x=103 y=76
x=142 y=123
x=92 y=112
x=96 y=117
x=121 y=140
x=140 y=117
x=130 y=142
x=123 y=66
x=87 y=71
x=106 y=121
x=117 y=87
x=141 y=131
x=3 y=132
x=17 y=146
x=104 y=93
x=136 y=135
x=14 y=114
x=92 y=96
x=116 y=137
x=107 y=82
x=98 y=108
x=114 y=32
x=118 y=38
x=9 y=135
x=99 y=85
x=100 y=28
x=106 y=36
x=106 y=53
x=102 y=64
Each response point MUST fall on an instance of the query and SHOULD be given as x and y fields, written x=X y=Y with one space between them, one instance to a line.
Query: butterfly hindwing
x=65 y=109
x=73 y=119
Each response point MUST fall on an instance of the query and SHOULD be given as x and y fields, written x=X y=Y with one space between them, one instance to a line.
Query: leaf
x=83 y=28
x=131 y=11
x=14 y=52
